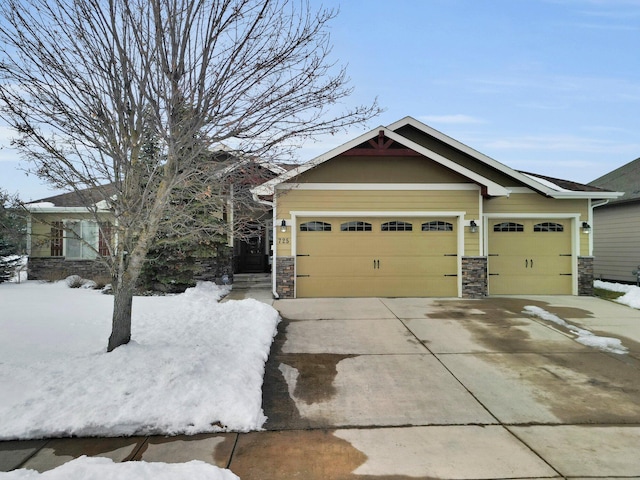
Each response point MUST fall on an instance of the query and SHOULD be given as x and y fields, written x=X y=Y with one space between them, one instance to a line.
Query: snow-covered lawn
x=631 y=295
x=194 y=365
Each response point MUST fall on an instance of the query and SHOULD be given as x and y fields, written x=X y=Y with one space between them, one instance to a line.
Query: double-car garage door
x=376 y=257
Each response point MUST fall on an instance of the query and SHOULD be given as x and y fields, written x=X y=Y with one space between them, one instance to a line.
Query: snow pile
x=194 y=365
x=631 y=295
x=97 y=468
x=585 y=337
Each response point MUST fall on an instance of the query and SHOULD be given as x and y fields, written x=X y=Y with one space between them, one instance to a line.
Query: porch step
x=251 y=280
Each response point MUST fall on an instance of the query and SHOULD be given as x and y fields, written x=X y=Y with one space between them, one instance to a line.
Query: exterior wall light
x=586 y=228
x=283 y=226
x=473 y=226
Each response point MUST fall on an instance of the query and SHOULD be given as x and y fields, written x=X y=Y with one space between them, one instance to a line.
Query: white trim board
x=379 y=186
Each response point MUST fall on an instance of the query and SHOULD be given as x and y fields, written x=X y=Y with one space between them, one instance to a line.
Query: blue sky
x=546 y=86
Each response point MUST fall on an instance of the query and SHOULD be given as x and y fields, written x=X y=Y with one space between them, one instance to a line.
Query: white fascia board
x=375 y=213
x=571 y=194
x=37 y=209
x=493 y=188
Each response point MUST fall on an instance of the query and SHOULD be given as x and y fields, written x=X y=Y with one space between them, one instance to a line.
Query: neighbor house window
x=82 y=239
x=548 y=227
x=56 y=241
x=104 y=240
x=315 y=227
x=508 y=227
x=437 y=226
x=355 y=227
x=397 y=227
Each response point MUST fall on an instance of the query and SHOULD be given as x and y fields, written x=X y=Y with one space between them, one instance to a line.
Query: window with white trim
x=315 y=226
x=508 y=227
x=437 y=226
x=548 y=227
x=355 y=226
x=396 y=226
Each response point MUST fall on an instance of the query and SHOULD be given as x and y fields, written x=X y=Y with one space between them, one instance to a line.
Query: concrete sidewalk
x=421 y=388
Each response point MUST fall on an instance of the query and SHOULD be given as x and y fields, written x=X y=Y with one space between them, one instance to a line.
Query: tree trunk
x=121 y=322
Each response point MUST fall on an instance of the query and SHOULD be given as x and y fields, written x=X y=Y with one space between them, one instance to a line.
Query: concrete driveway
x=448 y=388
x=399 y=389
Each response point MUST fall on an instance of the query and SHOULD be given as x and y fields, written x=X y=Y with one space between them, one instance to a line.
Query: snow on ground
x=97 y=468
x=631 y=295
x=585 y=337
x=194 y=365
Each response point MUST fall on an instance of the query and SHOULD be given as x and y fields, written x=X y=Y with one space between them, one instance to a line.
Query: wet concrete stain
x=316 y=374
x=584 y=385
x=220 y=455
x=307 y=455
x=91 y=447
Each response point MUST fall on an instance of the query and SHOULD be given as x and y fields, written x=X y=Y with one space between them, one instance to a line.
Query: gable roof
x=545 y=185
x=623 y=179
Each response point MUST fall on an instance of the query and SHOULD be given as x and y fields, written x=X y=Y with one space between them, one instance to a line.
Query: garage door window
x=437 y=226
x=508 y=227
x=548 y=227
x=315 y=227
x=355 y=227
x=397 y=227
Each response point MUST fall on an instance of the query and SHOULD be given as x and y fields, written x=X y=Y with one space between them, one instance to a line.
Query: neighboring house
x=64 y=238
x=616 y=240
x=405 y=211
x=54 y=252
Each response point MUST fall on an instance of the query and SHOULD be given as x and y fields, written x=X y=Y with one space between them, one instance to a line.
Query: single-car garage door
x=532 y=257
x=376 y=257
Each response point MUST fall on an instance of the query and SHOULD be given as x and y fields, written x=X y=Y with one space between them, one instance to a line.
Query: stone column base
x=585 y=276
x=285 y=277
x=474 y=277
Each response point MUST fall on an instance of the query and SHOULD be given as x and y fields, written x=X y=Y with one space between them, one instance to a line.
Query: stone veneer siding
x=285 y=277
x=585 y=276
x=474 y=277
x=212 y=269
x=57 y=268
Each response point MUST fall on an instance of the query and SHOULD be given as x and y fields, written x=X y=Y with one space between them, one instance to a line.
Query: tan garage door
x=530 y=257
x=376 y=257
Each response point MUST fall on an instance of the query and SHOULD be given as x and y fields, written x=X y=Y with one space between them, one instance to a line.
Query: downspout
x=273 y=235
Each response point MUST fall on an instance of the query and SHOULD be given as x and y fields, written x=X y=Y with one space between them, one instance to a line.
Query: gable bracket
x=381 y=148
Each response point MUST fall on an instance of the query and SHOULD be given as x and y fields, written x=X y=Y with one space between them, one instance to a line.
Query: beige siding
x=530 y=203
x=366 y=200
x=616 y=242
x=346 y=169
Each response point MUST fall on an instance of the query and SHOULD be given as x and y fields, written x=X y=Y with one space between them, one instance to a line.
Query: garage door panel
x=365 y=286
x=529 y=261
x=330 y=266
x=376 y=263
x=437 y=266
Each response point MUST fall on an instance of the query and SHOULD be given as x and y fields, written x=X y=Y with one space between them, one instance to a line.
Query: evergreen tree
x=12 y=235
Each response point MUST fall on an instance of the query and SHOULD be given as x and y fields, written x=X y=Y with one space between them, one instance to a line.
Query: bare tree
x=86 y=83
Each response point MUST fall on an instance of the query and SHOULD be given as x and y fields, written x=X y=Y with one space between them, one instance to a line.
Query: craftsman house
x=616 y=236
x=406 y=211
